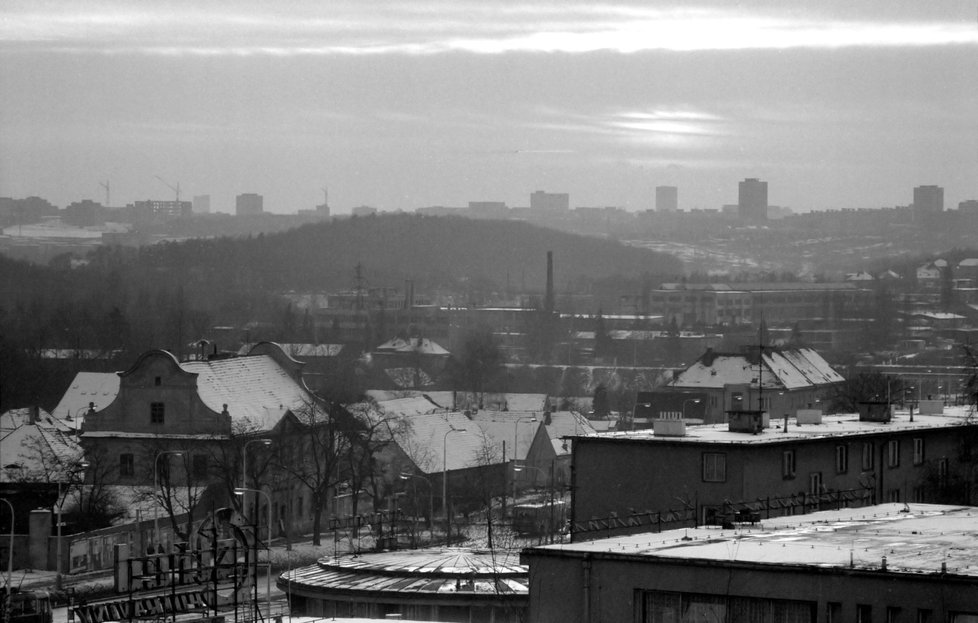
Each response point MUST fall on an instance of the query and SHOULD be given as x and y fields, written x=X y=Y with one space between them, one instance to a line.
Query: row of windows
x=715 y=463
x=200 y=465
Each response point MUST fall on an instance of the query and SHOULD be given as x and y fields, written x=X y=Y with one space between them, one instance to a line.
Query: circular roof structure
x=458 y=574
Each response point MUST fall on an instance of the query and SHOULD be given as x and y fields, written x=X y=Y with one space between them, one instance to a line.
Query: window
x=893 y=453
x=893 y=495
x=201 y=466
x=919 y=494
x=833 y=612
x=924 y=615
x=714 y=467
x=864 y=613
x=918 y=450
x=868 y=456
x=666 y=607
x=892 y=614
x=158 y=381
x=157 y=410
x=815 y=483
x=841 y=459
x=788 y=464
x=942 y=468
x=126 y=465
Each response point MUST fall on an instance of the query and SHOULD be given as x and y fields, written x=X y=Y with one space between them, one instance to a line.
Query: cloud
x=357 y=28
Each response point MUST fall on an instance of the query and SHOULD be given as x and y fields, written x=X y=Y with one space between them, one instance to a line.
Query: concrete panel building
x=752 y=200
x=249 y=204
x=666 y=199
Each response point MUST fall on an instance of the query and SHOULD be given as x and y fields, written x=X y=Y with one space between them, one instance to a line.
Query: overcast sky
x=397 y=105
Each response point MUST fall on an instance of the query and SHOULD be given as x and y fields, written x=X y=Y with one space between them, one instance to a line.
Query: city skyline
x=401 y=106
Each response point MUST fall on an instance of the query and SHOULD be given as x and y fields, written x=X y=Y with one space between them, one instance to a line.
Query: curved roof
x=427 y=572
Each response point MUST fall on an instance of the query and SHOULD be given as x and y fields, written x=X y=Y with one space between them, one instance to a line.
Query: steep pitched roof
x=425 y=442
x=782 y=369
x=257 y=391
x=42 y=451
x=100 y=388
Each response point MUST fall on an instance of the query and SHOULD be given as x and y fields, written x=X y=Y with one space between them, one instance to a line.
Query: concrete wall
x=571 y=588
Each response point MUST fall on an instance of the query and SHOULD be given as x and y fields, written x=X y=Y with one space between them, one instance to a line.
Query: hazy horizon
x=403 y=105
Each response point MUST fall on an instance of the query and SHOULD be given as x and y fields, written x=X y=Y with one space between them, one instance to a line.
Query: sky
x=401 y=104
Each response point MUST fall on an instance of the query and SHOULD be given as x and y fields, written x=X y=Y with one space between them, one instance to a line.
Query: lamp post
x=244 y=471
x=10 y=561
x=431 y=501
x=156 y=486
x=268 y=545
x=61 y=503
x=444 y=480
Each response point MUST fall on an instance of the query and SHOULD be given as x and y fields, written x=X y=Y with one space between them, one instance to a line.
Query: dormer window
x=157 y=412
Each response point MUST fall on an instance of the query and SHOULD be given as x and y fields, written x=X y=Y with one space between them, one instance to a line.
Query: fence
x=723 y=514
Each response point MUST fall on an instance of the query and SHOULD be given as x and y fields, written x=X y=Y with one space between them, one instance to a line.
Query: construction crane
x=175 y=189
x=105 y=185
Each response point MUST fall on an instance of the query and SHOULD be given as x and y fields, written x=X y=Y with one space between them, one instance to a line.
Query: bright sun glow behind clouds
x=429 y=28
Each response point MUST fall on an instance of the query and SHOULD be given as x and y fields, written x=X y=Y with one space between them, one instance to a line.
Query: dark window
x=893 y=453
x=918 y=450
x=868 y=456
x=158 y=381
x=833 y=612
x=126 y=465
x=714 y=467
x=788 y=464
x=815 y=483
x=864 y=613
x=841 y=459
x=892 y=614
x=157 y=411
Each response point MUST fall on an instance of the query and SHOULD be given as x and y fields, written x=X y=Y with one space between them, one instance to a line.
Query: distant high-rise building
x=202 y=204
x=540 y=200
x=752 y=200
x=927 y=202
x=248 y=204
x=323 y=210
x=666 y=198
x=363 y=211
x=968 y=206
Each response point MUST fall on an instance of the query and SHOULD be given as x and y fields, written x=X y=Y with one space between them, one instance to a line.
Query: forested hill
x=432 y=251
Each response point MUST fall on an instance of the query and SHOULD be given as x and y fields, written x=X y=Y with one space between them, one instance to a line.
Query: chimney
x=548 y=301
x=34 y=414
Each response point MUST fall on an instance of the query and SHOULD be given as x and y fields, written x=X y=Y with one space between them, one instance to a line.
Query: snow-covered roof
x=420 y=345
x=910 y=538
x=100 y=388
x=41 y=450
x=846 y=425
x=301 y=350
x=426 y=440
x=257 y=391
x=782 y=369
x=408 y=406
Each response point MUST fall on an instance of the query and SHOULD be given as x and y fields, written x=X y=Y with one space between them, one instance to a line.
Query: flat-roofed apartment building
x=686 y=475
x=748 y=303
x=893 y=563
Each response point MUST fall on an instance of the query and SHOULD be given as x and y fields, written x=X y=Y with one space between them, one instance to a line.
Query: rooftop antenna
x=175 y=189
x=105 y=185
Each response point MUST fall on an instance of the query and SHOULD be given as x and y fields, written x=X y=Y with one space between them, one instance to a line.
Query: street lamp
x=444 y=479
x=244 y=471
x=156 y=486
x=61 y=503
x=10 y=561
x=268 y=500
x=431 y=501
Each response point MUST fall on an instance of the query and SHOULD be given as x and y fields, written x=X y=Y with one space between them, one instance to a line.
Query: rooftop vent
x=746 y=421
x=809 y=416
x=874 y=411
